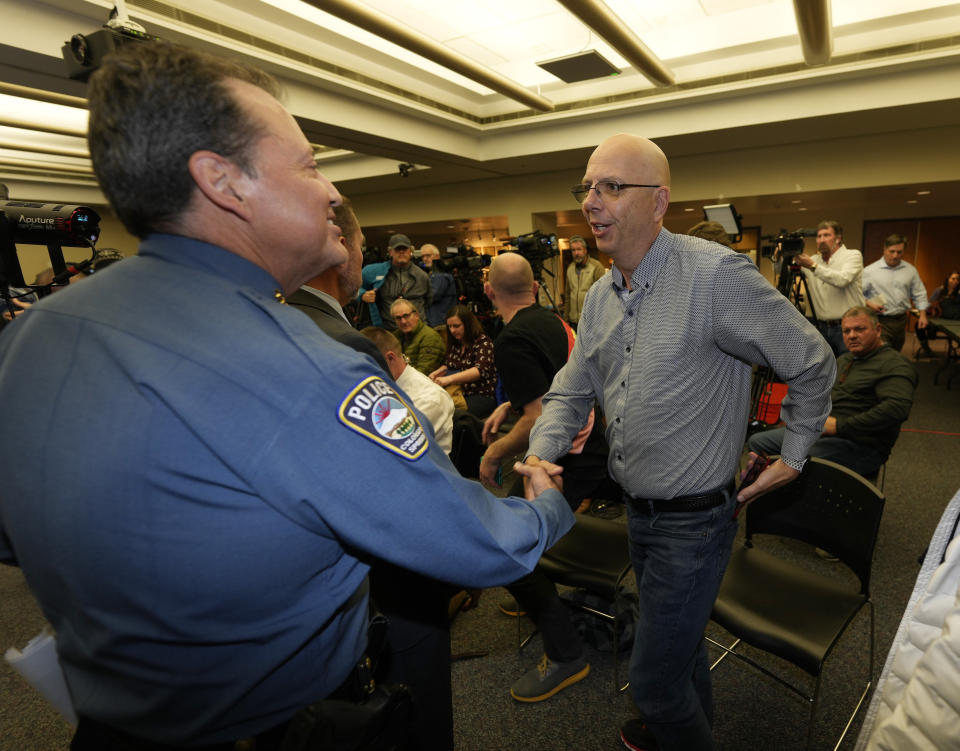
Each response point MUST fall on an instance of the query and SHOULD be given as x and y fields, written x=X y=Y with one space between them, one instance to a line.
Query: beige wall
x=915 y=156
x=902 y=157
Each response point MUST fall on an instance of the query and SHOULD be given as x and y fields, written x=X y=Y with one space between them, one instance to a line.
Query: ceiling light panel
x=509 y=37
x=857 y=11
x=329 y=23
x=28 y=111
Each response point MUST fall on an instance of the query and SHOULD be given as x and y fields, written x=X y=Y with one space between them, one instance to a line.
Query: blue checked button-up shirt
x=897 y=285
x=670 y=362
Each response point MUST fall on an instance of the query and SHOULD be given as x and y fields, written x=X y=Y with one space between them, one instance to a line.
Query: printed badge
x=374 y=410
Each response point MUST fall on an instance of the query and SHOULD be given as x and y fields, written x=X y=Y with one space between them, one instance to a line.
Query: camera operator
x=833 y=281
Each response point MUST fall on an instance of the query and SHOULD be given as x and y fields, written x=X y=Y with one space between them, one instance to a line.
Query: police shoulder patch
x=376 y=411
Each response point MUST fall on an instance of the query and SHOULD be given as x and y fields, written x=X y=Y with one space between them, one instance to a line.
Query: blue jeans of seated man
x=862 y=459
x=679 y=559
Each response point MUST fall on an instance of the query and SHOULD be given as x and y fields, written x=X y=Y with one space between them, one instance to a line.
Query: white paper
x=39 y=666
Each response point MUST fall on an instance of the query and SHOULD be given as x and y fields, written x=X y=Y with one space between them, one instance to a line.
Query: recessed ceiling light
x=912 y=200
x=801 y=208
x=688 y=209
x=451 y=226
x=923 y=192
x=796 y=200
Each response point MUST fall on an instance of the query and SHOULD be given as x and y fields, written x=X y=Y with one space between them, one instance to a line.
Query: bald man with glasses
x=665 y=344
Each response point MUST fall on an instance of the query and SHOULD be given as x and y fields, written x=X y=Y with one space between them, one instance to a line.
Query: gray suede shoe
x=547 y=678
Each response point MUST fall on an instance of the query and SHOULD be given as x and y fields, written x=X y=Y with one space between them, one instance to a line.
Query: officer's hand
x=369 y=296
x=536 y=478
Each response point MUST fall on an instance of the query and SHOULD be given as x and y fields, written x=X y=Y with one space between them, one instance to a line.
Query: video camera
x=84 y=53
x=462 y=258
x=55 y=225
x=536 y=247
x=466 y=266
x=787 y=244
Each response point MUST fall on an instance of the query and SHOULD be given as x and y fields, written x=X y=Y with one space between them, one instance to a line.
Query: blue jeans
x=679 y=559
x=834 y=336
x=862 y=459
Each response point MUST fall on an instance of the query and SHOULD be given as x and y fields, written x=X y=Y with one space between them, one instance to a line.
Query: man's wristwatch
x=813 y=265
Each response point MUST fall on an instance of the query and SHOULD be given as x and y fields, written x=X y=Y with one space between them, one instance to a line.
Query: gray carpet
x=750 y=711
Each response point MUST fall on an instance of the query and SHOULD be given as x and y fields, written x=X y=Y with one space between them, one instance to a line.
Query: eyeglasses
x=404 y=316
x=606 y=188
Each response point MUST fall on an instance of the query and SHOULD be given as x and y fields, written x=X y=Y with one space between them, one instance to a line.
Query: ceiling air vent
x=583 y=66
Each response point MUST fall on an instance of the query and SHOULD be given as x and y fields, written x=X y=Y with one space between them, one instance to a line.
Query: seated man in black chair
x=533 y=345
x=872 y=396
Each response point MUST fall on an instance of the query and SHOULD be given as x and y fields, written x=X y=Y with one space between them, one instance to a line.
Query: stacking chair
x=780 y=608
x=594 y=555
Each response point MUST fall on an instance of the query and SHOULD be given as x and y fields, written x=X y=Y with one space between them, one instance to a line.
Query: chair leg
x=727 y=651
x=616 y=657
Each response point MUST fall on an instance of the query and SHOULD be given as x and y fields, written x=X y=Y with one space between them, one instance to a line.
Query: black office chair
x=594 y=555
x=778 y=607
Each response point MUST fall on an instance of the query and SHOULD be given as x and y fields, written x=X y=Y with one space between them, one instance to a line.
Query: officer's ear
x=220 y=181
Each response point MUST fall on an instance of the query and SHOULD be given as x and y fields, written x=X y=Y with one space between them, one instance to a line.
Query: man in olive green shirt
x=872 y=396
x=421 y=344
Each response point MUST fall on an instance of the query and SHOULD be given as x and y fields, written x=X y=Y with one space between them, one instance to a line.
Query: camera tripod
x=792 y=285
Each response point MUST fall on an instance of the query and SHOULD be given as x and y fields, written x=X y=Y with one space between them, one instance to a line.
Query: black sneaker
x=635 y=735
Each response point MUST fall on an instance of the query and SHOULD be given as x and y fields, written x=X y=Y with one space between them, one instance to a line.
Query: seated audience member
x=533 y=345
x=871 y=397
x=421 y=344
x=945 y=300
x=427 y=396
x=323 y=297
x=944 y=303
x=712 y=231
x=469 y=361
x=443 y=287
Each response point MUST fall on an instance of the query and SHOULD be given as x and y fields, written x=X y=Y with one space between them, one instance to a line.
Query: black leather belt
x=684 y=502
x=894 y=315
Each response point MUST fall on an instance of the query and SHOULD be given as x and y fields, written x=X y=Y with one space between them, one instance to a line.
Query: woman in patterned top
x=469 y=361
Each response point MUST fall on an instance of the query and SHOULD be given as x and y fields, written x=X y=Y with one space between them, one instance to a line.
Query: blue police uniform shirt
x=196 y=480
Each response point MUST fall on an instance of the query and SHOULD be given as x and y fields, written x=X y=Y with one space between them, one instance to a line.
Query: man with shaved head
x=666 y=342
x=528 y=352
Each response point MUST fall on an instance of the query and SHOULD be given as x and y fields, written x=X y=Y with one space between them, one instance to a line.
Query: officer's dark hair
x=152 y=105
x=894 y=239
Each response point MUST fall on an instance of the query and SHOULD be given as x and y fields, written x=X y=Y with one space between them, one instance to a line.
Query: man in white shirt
x=833 y=281
x=892 y=287
x=428 y=397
